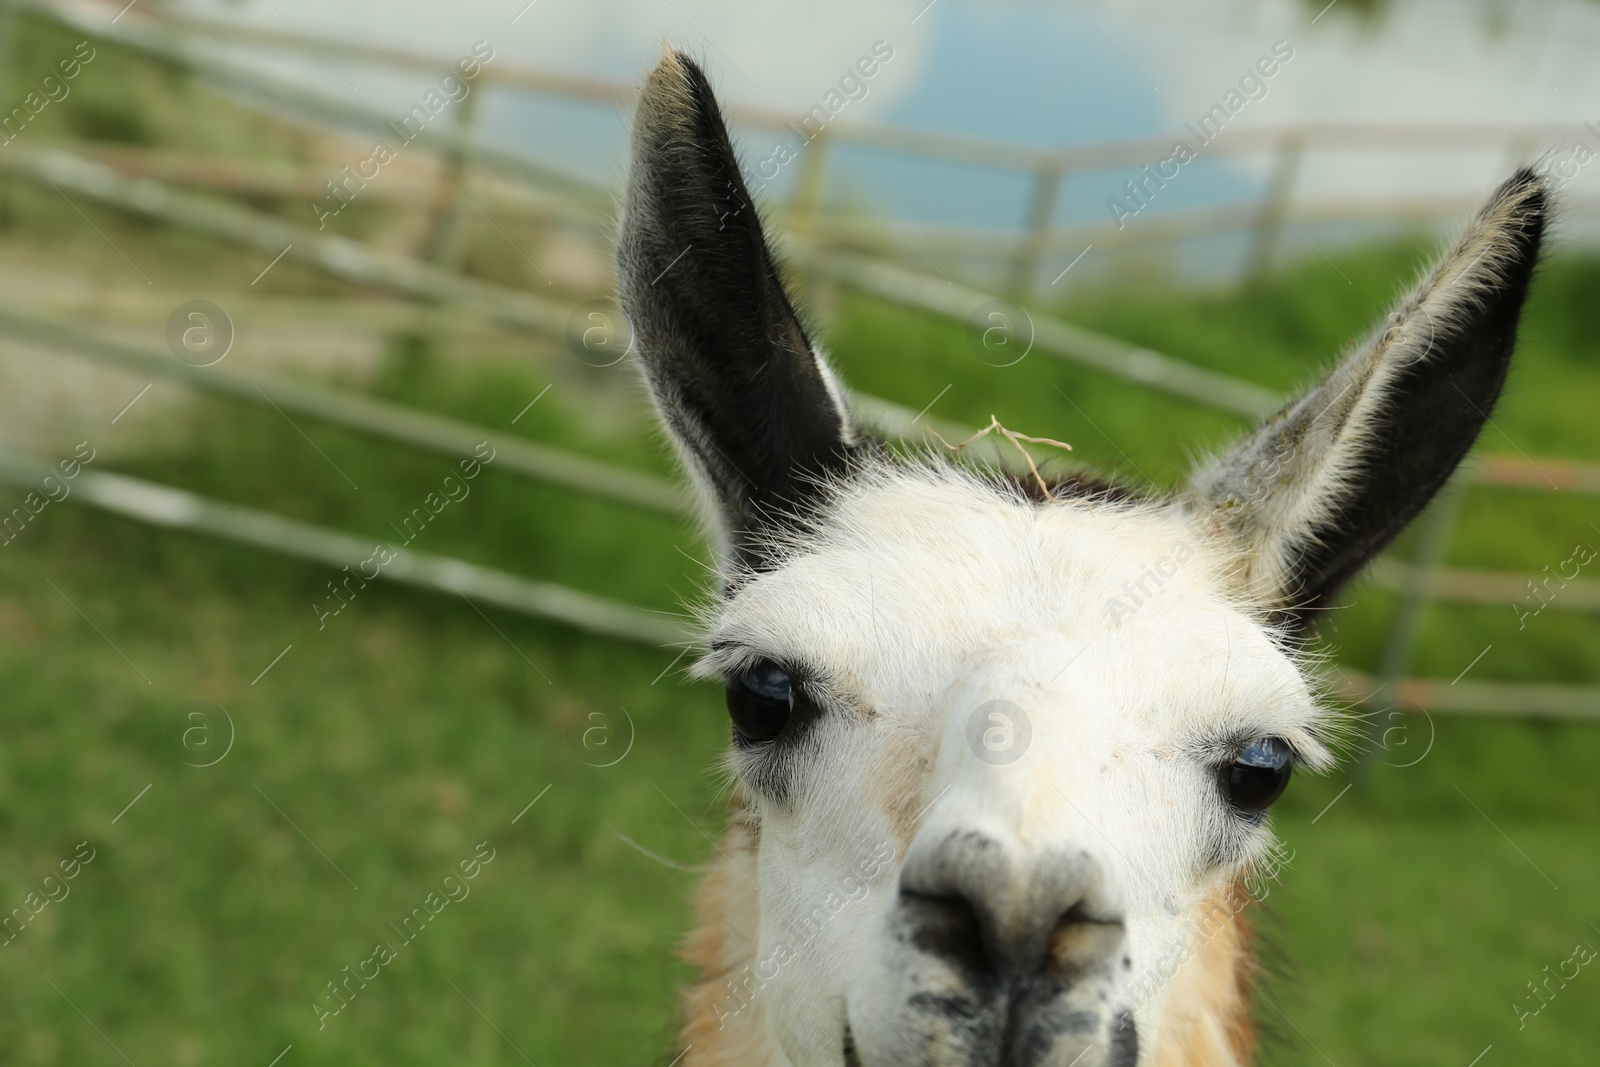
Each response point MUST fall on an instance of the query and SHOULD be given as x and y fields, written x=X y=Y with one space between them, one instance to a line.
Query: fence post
x=1047 y=179
x=822 y=294
x=1269 y=223
x=1433 y=541
x=808 y=188
x=446 y=235
x=9 y=18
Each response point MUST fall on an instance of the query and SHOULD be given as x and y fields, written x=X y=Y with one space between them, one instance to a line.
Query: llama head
x=1005 y=761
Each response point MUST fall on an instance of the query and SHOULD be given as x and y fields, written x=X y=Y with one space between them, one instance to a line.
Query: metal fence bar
x=433 y=433
x=234 y=176
x=1544 y=474
x=1170 y=227
x=339 y=256
x=1059 y=339
x=177 y=509
x=1475 y=698
x=261 y=90
x=1462 y=586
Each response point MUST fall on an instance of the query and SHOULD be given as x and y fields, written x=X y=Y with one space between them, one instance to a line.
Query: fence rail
x=376 y=418
x=176 y=509
x=175 y=38
x=1467 y=698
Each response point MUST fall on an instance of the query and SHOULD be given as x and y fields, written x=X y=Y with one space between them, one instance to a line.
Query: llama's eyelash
x=1306 y=753
x=1237 y=745
x=1218 y=751
x=723 y=660
x=727 y=660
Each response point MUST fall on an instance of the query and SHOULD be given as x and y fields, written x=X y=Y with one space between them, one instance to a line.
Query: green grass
x=396 y=740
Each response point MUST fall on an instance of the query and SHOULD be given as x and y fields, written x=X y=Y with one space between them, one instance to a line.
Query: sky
x=1043 y=72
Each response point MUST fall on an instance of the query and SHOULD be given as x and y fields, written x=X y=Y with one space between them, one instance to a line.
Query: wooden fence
x=194 y=43
x=835 y=247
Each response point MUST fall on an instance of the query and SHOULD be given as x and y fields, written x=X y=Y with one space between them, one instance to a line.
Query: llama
x=982 y=817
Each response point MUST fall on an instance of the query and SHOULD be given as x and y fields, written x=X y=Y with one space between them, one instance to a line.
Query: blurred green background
x=380 y=750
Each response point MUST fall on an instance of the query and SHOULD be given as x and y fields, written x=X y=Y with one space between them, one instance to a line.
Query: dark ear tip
x=678 y=84
x=1526 y=196
x=1503 y=241
x=1524 y=177
x=677 y=68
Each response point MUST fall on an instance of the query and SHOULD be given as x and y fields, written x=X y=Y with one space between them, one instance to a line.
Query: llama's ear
x=753 y=408
x=1327 y=482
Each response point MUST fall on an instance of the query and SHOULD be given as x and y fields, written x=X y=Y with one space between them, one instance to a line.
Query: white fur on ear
x=1320 y=487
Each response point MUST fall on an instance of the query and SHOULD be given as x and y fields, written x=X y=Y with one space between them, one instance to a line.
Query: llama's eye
x=1258 y=775
x=760 y=701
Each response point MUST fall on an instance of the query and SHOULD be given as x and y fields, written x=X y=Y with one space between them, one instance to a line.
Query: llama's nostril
x=968 y=904
x=947 y=926
x=1082 y=942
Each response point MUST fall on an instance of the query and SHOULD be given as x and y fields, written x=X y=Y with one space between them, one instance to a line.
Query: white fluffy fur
x=925 y=592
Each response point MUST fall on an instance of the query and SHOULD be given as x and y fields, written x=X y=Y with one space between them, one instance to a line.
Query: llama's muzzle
x=999 y=960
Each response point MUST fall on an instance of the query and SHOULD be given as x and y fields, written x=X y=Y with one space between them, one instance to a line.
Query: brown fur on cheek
x=724 y=1022
x=1206 y=1021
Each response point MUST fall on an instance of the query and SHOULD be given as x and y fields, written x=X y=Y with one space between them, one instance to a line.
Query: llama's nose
x=989 y=914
